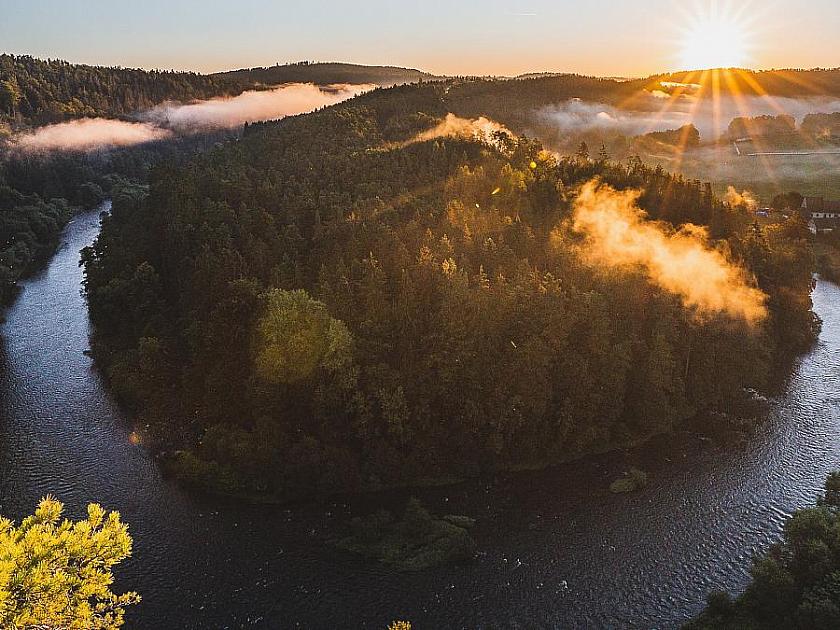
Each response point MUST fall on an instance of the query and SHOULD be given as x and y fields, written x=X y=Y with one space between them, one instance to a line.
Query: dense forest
x=796 y=583
x=326 y=305
x=39 y=193
x=36 y=92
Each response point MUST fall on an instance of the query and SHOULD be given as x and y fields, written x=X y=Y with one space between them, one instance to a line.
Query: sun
x=714 y=41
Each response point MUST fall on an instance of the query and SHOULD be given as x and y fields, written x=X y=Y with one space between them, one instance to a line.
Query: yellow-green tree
x=295 y=336
x=55 y=573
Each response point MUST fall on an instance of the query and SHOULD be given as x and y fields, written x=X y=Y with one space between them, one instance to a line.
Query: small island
x=418 y=541
x=634 y=479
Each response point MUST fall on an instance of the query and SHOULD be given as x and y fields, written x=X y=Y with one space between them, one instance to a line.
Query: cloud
x=618 y=235
x=251 y=106
x=87 y=134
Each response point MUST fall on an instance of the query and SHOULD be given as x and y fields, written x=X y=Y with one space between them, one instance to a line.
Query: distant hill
x=325 y=74
x=513 y=101
x=791 y=83
x=537 y=75
x=36 y=92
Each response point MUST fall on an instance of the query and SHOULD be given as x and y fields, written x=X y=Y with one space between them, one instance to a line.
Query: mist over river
x=558 y=550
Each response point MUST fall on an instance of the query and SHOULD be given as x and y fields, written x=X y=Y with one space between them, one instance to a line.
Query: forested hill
x=514 y=101
x=326 y=305
x=787 y=83
x=325 y=74
x=35 y=92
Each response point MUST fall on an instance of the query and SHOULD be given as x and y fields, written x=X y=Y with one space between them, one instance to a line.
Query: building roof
x=820 y=204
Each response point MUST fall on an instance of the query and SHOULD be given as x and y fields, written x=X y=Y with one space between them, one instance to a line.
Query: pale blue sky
x=492 y=37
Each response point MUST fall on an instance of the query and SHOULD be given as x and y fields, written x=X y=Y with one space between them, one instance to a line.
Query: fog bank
x=87 y=134
x=711 y=117
x=252 y=106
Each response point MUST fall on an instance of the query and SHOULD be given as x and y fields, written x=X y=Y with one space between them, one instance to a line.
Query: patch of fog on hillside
x=87 y=134
x=251 y=106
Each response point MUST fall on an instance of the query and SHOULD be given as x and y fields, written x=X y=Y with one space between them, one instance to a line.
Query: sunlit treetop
x=55 y=573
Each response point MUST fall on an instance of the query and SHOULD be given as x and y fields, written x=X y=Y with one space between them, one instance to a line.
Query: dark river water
x=558 y=549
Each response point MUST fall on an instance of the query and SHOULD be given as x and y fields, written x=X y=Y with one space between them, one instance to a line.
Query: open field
x=766 y=175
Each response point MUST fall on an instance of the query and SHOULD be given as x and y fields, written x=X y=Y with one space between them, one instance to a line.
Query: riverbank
x=828 y=260
x=556 y=548
x=701 y=432
x=37 y=227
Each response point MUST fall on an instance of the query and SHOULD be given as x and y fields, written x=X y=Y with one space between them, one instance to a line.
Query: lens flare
x=715 y=38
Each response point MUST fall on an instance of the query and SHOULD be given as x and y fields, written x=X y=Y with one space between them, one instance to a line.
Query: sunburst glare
x=715 y=38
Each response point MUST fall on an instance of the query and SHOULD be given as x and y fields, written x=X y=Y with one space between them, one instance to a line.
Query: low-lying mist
x=87 y=134
x=252 y=106
x=711 y=117
x=161 y=122
x=618 y=235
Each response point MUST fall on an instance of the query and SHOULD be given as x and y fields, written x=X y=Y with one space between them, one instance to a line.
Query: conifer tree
x=55 y=573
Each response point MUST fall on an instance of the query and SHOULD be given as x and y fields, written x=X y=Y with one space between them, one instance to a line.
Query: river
x=557 y=549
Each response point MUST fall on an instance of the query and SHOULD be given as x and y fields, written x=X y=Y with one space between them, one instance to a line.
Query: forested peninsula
x=342 y=301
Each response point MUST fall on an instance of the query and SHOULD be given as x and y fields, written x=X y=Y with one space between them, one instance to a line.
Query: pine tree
x=55 y=573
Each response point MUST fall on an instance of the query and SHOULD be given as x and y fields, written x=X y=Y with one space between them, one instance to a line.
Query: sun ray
x=744 y=110
x=750 y=80
x=667 y=106
x=682 y=144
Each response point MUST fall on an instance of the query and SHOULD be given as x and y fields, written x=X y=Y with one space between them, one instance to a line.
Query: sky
x=499 y=37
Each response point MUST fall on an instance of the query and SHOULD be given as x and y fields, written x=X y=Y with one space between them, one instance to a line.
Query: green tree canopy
x=295 y=336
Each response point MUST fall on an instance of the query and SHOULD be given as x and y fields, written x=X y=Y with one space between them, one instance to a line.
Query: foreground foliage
x=796 y=584
x=55 y=573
